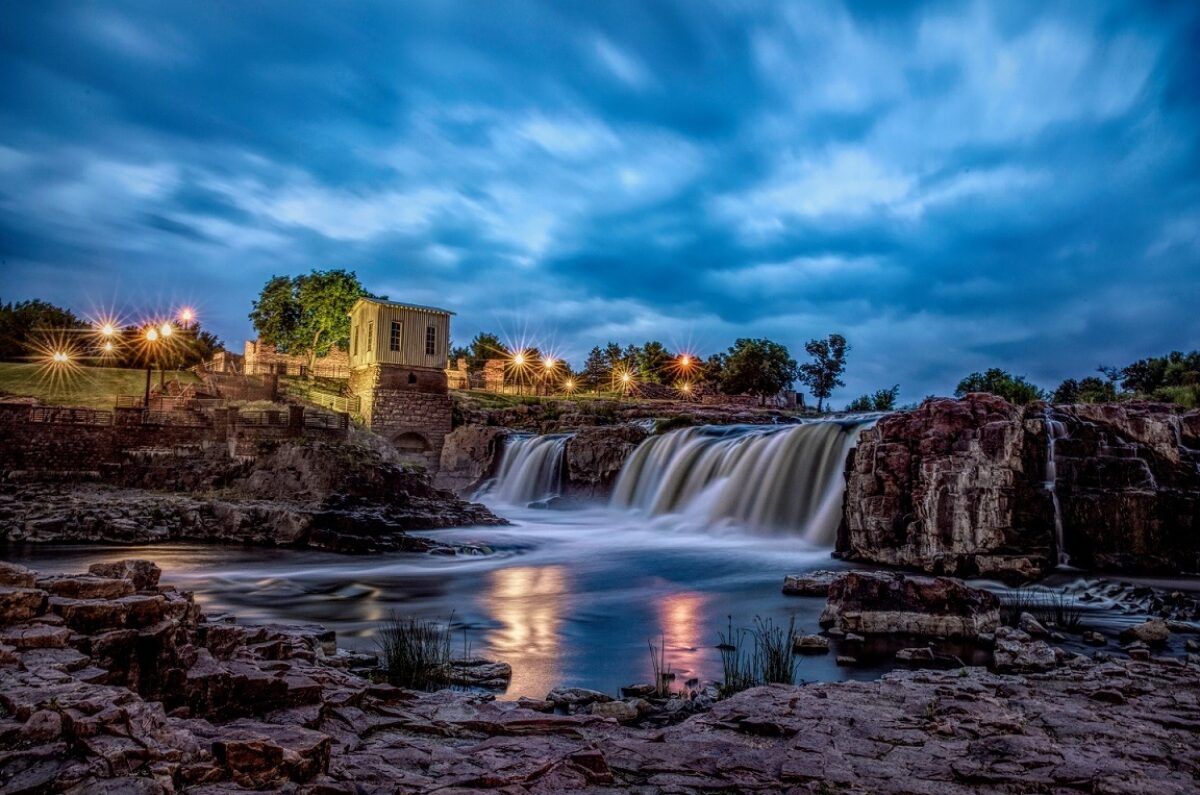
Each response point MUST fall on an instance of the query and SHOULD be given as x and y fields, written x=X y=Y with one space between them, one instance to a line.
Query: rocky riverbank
x=111 y=681
x=323 y=495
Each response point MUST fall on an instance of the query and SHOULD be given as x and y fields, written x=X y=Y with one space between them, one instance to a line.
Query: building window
x=370 y=335
x=354 y=342
x=397 y=330
x=431 y=340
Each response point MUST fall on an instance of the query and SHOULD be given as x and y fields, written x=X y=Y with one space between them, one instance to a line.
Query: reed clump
x=415 y=652
x=758 y=655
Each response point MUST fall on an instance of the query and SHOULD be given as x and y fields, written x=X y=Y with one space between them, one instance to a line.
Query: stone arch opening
x=412 y=378
x=411 y=442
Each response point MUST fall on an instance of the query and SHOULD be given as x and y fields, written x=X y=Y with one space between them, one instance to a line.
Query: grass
x=758 y=655
x=416 y=652
x=93 y=387
x=1052 y=608
x=661 y=670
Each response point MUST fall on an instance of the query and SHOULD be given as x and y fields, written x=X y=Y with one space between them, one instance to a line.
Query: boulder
x=1017 y=652
x=1153 y=632
x=811 y=644
x=86 y=587
x=142 y=573
x=620 y=711
x=813 y=583
x=470 y=455
x=13 y=575
x=575 y=696
x=1027 y=623
x=875 y=603
x=20 y=604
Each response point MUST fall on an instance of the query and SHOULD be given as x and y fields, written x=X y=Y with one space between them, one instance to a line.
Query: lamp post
x=164 y=332
x=152 y=340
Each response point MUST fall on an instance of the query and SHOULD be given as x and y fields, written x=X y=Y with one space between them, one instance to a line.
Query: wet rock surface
x=171 y=702
x=343 y=498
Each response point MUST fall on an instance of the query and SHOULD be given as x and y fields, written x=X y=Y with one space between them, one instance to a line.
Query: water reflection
x=681 y=617
x=528 y=604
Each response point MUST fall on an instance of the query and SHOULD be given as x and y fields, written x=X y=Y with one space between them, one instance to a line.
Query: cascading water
x=530 y=469
x=1055 y=430
x=775 y=479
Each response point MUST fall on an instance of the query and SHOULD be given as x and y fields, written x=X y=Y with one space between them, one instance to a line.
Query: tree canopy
x=1013 y=388
x=757 y=367
x=824 y=373
x=484 y=346
x=21 y=322
x=882 y=400
x=307 y=314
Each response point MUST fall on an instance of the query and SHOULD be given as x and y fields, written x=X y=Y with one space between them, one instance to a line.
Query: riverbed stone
x=874 y=603
x=143 y=574
x=13 y=575
x=811 y=644
x=1153 y=632
x=813 y=583
x=20 y=604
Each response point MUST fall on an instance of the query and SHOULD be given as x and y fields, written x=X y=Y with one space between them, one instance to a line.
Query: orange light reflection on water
x=681 y=617
x=529 y=603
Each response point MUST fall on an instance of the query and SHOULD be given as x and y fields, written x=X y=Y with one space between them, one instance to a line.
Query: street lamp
x=152 y=337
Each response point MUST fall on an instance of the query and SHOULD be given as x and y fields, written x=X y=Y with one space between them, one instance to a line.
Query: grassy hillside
x=94 y=387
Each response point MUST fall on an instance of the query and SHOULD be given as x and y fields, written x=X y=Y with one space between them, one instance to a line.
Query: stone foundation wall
x=408 y=406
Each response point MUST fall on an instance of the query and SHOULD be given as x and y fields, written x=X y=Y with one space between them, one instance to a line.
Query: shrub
x=416 y=652
x=758 y=655
x=673 y=423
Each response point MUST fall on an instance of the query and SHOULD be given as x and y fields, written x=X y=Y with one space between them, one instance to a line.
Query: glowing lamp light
x=60 y=357
x=569 y=385
x=108 y=346
x=626 y=377
x=186 y=315
x=548 y=363
x=166 y=330
x=152 y=334
x=685 y=388
x=108 y=330
x=685 y=361
x=519 y=359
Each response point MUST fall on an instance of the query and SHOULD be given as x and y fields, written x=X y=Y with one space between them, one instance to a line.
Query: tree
x=1066 y=393
x=308 y=314
x=824 y=373
x=714 y=369
x=757 y=367
x=1014 y=389
x=22 y=322
x=652 y=361
x=595 y=370
x=882 y=400
x=483 y=347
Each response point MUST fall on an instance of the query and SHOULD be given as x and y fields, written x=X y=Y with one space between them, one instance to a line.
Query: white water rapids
x=530 y=470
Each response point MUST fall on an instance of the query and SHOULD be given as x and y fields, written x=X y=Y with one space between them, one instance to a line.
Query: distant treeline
x=32 y=331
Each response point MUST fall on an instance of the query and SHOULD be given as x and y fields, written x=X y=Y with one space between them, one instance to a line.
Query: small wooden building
x=389 y=332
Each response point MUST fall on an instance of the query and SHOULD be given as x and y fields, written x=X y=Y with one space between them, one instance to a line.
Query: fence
x=69 y=416
x=263 y=419
x=336 y=422
x=328 y=400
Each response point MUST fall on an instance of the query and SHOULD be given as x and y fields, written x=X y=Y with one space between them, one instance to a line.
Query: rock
x=142 y=573
x=260 y=755
x=958 y=487
x=811 y=644
x=845 y=659
x=1191 y=645
x=619 y=711
x=86 y=587
x=813 y=583
x=594 y=457
x=43 y=726
x=20 y=604
x=470 y=455
x=90 y=615
x=1092 y=638
x=873 y=603
x=535 y=704
x=1017 y=652
x=1153 y=632
x=476 y=672
x=575 y=696
x=37 y=636
x=13 y=575
x=1027 y=623
x=638 y=690
x=852 y=637
x=952 y=487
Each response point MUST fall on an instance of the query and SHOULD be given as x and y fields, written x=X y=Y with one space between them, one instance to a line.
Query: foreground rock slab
x=183 y=704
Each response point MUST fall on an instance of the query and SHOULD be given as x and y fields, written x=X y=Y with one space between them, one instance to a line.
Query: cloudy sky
x=952 y=186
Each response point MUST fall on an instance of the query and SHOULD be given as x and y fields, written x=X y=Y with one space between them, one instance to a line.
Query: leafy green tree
x=824 y=373
x=714 y=369
x=308 y=314
x=22 y=322
x=652 y=361
x=1146 y=376
x=757 y=367
x=1014 y=389
x=484 y=346
x=1066 y=393
x=882 y=400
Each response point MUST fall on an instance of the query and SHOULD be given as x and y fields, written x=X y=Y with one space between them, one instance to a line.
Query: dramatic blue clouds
x=952 y=186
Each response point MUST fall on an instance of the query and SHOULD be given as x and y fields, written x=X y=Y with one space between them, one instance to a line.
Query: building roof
x=402 y=305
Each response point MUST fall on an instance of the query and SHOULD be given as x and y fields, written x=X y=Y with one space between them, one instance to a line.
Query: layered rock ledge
x=335 y=496
x=111 y=682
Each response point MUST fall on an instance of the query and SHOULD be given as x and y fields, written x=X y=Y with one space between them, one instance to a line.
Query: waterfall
x=530 y=469
x=1055 y=430
x=785 y=479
